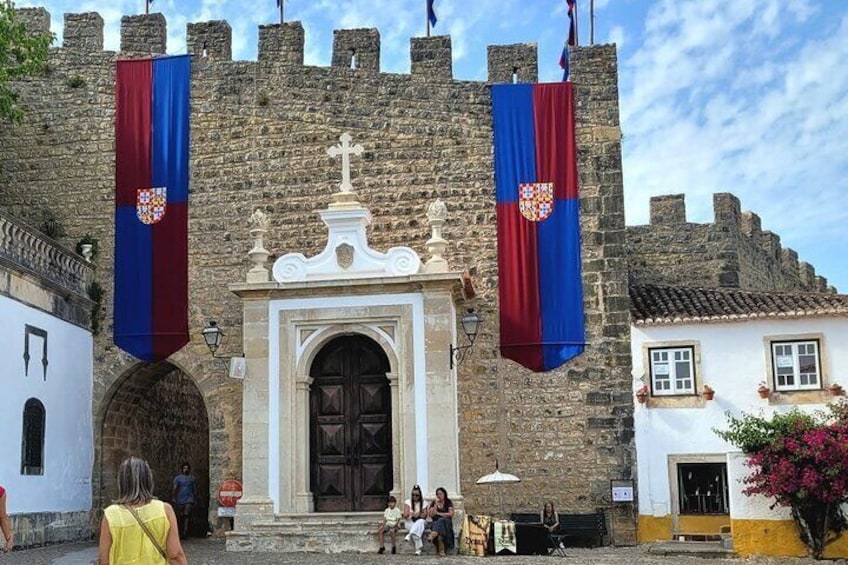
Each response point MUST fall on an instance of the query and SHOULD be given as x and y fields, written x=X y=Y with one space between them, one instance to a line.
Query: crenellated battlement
x=732 y=251
x=282 y=45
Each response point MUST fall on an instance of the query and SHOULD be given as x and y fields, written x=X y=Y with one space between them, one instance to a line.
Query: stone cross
x=345 y=149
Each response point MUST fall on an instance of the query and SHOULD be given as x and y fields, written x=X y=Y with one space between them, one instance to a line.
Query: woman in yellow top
x=123 y=539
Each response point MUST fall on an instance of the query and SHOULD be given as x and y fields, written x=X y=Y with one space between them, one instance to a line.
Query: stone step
x=321 y=532
x=330 y=517
x=286 y=538
x=706 y=549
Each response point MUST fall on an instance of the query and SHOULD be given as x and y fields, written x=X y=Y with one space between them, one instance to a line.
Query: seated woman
x=441 y=511
x=415 y=514
x=549 y=517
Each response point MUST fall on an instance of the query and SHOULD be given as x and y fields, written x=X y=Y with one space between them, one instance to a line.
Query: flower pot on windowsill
x=642 y=395
x=764 y=391
x=708 y=393
x=836 y=390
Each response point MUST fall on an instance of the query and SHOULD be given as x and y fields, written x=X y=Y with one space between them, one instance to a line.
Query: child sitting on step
x=389 y=523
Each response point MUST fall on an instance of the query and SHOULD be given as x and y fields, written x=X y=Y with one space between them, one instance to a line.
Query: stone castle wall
x=733 y=251
x=259 y=135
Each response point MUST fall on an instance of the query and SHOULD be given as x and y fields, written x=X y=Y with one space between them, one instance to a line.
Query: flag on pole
x=431 y=13
x=540 y=286
x=151 y=205
x=279 y=3
x=572 y=39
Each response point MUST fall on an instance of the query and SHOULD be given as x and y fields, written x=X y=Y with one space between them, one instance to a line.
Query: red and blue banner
x=151 y=206
x=540 y=285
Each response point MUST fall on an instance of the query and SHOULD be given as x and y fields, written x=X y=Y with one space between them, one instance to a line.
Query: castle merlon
x=729 y=221
x=283 y=44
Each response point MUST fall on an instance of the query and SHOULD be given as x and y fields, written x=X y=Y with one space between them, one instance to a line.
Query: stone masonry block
x=144 y=33
x=210 y=39
x=598 y=398
x=431 y=57
x=357 y=49
x=669 y=209
x=601 y=423
x=83 y=32
x=789 y=261
x=513 y=63
x=36 y=20
x=727 y=209
x=770 y=244
x=281 y=43
x=751 y=224
x=808 y=276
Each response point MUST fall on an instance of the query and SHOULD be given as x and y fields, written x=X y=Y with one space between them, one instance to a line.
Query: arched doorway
x=157 y=413
x=350 y=426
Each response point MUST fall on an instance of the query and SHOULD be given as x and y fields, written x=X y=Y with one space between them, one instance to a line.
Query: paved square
x=211 y=552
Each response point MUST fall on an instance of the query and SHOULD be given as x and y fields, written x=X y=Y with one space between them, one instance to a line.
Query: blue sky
x=748 y=96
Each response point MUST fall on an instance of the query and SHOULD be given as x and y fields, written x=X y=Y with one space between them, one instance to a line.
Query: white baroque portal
x=349 y=394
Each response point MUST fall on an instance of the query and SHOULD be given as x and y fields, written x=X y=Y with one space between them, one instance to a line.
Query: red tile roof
x=654 y=304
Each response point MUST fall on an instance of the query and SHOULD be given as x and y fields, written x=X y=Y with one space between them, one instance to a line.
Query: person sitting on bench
x=549 y=517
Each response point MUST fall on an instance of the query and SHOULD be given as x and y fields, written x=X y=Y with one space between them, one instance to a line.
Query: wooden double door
x=350 y=426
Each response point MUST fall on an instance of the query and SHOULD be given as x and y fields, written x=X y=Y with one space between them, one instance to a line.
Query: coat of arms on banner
x=150 y=204
x=536 y=200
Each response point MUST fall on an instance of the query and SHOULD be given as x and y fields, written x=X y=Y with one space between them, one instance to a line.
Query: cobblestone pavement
x=211 y=552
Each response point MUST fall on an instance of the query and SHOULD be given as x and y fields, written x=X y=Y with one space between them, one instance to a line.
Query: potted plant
x=708 y=393
x=763 y=390
x=88 y=247
x=837 y=390
x=642 y=394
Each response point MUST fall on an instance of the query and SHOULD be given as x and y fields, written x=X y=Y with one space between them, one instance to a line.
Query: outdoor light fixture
x=470 y=325
x=213 y=336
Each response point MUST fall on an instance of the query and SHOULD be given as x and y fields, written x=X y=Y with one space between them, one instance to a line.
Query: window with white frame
x=672 y=370
x=795 y=365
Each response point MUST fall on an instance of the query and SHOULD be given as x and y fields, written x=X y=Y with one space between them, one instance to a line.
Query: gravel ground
x=211 y=552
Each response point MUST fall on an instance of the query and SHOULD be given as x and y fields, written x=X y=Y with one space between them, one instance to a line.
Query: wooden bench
x=571 y=526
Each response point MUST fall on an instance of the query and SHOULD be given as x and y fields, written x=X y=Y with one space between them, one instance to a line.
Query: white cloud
x=716 y=100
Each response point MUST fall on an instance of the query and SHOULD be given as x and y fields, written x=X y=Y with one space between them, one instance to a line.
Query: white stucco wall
x=733 y=362
x=65 y=485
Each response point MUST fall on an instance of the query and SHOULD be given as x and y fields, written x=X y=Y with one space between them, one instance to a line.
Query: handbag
x=147 y=531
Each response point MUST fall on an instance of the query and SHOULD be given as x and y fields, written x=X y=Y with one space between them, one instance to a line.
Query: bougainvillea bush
x=801 y=461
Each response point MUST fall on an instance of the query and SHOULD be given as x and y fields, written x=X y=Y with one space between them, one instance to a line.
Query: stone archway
x=156 y=412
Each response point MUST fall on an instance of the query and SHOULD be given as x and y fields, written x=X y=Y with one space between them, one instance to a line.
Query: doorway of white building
x=700 y=499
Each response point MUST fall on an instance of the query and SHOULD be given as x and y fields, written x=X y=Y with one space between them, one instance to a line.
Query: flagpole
x=427 y=16
x=147 y=7
x=282 y=10
x=591 y=22
x=576 y=25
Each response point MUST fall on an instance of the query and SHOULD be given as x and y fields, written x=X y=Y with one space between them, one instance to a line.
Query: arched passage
x=157 y=413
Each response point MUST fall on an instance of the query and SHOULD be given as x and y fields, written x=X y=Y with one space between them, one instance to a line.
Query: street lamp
x=213 y=336
x=470 y=325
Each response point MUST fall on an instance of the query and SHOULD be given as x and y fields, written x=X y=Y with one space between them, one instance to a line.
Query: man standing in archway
x=184 y=497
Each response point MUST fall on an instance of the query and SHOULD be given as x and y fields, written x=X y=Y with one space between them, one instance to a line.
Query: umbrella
x=498 y=478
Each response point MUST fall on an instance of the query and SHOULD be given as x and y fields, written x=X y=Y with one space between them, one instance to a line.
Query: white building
x=731 y=341
x=46 y=448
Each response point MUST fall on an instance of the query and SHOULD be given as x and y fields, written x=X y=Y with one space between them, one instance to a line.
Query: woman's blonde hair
x=135 y=482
